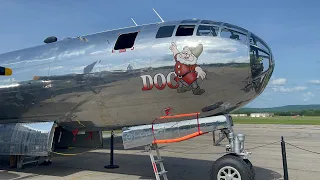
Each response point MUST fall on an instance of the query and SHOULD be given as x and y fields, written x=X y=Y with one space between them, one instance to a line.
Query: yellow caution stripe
x=5 y=71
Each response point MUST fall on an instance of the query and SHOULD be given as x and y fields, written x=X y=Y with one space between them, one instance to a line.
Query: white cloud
x=279 y=81
x=300 y=88
x=8 y=80
x=99 y=52
x=294 y=89
x=51 y=68
x=314 y=81
x=265 y=98
x=307 y=96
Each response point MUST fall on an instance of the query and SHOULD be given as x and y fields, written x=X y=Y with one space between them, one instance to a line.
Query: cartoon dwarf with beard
x=187 y=69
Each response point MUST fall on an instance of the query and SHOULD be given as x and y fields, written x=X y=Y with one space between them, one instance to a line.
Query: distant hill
x=289 y=108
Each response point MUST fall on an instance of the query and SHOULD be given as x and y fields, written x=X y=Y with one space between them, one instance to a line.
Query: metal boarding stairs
x=153 y=134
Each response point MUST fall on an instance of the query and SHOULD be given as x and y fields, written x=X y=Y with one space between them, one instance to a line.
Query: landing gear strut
x=235 y=164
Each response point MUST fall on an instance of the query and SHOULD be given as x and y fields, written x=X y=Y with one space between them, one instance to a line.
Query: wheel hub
x=228 y=173
x=229 y=177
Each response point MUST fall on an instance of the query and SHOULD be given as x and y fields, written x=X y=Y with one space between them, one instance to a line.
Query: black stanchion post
x=214 y=137
x=284 y=159
x=111 y=166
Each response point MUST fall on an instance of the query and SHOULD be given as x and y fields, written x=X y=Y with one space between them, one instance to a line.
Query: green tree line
x=310 y=112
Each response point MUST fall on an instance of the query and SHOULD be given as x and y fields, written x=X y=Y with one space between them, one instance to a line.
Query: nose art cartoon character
x=187 y=69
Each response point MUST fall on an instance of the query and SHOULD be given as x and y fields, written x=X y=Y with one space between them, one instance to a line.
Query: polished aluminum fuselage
x=82 y=82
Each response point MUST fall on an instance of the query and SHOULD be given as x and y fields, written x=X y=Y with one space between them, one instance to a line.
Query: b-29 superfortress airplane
x=163 y=82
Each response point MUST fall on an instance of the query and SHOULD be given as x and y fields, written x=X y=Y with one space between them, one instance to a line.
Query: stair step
x=162 y=173
x=158 y=161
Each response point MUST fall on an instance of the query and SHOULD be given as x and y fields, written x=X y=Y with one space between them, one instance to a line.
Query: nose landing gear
x=235 y=165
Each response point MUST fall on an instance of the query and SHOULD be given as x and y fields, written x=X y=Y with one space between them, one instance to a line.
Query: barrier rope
x=262 y=145
x=186 y=152
x=292 y=145
x=302 y=148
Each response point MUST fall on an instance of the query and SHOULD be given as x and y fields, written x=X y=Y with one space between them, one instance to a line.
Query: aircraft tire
x=250 y=165
x=234 y=163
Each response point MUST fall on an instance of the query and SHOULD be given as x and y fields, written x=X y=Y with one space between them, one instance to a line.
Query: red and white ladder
x=155 y=162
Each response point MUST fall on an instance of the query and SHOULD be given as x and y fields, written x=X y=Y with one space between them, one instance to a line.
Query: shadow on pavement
x=131 y=164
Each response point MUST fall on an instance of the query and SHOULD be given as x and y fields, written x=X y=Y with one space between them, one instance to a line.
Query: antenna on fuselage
x=158 y=15
x=134 y=22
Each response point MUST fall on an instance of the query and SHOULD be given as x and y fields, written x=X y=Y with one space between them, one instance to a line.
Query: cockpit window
x=207 y=30
x=210 y=22
x=190 y=21
x=237 y=28
x=254 y=40
x=165 y=31
x=259 y=61
x=232 y=34
x=125 y=41
x=185 y=30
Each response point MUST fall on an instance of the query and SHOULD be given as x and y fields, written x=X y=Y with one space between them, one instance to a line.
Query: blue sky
x=290 y=27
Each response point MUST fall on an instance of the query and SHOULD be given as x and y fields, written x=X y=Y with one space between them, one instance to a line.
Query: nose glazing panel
x=261 y=61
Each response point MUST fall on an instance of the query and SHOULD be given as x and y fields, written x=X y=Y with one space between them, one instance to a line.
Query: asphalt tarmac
x=189 y=160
